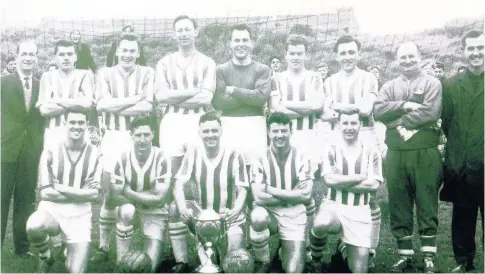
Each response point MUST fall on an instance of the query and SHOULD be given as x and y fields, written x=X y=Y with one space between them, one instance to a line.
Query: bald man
x=410 y=106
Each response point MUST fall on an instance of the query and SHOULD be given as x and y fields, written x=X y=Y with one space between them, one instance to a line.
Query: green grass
x=386 y=252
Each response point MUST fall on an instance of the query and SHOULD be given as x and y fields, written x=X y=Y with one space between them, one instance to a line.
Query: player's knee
x=126 y=213
x=358 y=266
x=35 y=223
x=294 y=266
x=259 y=218
x=323 y=223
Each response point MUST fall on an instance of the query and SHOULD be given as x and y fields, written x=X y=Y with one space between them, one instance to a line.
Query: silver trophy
x=208 y=228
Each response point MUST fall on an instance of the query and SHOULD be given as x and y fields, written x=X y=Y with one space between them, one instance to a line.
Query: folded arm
x=258 y=96
x=343 y=181
x=293 y=196
x=385 y=108
x=430 y=109
x=262 y=198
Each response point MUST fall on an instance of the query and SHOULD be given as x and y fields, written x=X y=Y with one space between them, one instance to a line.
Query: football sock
x=123 y=240
x=317 y=245
x=107 y=222
x=178 y=237
x=260 y=243
x=42 y=247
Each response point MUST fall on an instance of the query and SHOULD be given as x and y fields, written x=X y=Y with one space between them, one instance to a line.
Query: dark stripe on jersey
x=134 y=178
x=91 y=175
x=115 y=95
x=58 y=120
x=294 y=172
x=72 y=89
x=358 y=164
x=366 y=198
x=217 y=185
x=345 y=197
x=60 y=168
x=311 y=120
x=299 y=121
x=230 y=180
x=345 y=171
x=174 y=82
x=203 y=185
x=333 y=194
x=339 y=94
x=146 y=177
x=272 y=168
x=87 y=160
x=185 y=82
x=289 y=93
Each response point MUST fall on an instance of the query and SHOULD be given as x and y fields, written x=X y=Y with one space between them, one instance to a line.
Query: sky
x=377 y=17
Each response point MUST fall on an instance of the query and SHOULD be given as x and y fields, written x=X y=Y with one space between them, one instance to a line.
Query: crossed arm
x=155 y=197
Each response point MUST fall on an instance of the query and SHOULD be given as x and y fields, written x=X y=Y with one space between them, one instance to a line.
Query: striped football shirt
x=80 y=84
x=338 y=161
x=113 y=83
x=216 y=180
x=351 y=89
x=284 y=87
x=198 y=74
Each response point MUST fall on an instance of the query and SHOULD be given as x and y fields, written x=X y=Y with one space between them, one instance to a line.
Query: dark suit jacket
x=84 y=58
x=22 y=130
x=462 y=123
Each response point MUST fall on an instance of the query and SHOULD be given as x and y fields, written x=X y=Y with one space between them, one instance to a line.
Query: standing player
x=410 y=107
x=221 y=179
x=352 y=171
x=68 y=184
x=299 y=94
x=144 y=175
x=64 y=89
x=185 y=82
x=281 y=185
x=124 y=91
x=243 y=89
x=352 y=88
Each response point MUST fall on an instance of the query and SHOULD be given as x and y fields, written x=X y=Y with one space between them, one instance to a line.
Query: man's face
x=126 y=30
x=349 y=126
x=76 y=36
x=323 y=72
x=473 y=51
x=65 y=58
x=438 y=72
x=408 y=58
x=210 y=132
x=295 y=57
x=376 y=73
x=76 y=124
x=27 y=56
x=185 y=32
x=279 y=134
x=142 y=138
x=275 y=65
x=127 y=53
x=11 y=66
x=348 y=56
x=241 y=44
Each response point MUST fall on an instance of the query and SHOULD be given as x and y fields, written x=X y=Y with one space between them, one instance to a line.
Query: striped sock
x=376 y=227
x=342 y=248
x=123 y=240
x=317 y=245
x=260 y=243
x=42 y=247
x=428 y=245
x=107 y=222
x=310 y=214
x=405 y=246
x=178 y=237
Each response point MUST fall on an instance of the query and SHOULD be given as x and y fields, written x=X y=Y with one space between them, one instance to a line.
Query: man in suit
x=22 y=139
x=84 y=58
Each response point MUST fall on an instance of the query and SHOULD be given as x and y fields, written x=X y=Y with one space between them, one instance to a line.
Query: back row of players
x=138 y=178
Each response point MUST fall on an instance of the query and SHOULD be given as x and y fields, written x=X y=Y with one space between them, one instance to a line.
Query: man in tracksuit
x=410 y=106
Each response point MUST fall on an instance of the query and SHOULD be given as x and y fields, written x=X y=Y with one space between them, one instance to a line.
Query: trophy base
x=209 y=269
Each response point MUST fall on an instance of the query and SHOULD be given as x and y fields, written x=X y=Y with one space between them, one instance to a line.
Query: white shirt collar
x=22 y=75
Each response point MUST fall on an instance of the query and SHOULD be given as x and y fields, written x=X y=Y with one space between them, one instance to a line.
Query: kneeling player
x=352 y=172
x=144 y=174
x=221 y=179
x=281 y=184
x=68 y=183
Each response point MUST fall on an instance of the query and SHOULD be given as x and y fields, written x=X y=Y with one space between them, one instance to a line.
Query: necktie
x=27 y=94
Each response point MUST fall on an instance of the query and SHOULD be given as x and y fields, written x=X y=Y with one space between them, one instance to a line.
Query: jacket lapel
x=35 y=93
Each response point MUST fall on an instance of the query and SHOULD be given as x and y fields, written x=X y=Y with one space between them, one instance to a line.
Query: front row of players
x=281 y=184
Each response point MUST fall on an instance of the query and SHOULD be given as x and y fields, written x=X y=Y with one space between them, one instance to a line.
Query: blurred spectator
x=428 y=67
x=84 y=58
x=51 y=66
x=111 y=59
x=377 y=73
x=461 y=69
x=439 y=71
x=275 y=64
x=322 y=68
x=10 y=66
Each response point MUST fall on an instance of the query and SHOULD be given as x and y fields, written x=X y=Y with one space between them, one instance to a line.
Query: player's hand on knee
x=185 y=215
x=230 y=216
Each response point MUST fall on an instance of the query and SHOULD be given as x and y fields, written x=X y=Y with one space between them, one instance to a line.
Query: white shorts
x=152 y=224
x=246 y=135
x=307 y=141
x=291 y=221
x=74 y=220
x=54 y=136
x=356 y=221
x=177 y=131
x=113 y=145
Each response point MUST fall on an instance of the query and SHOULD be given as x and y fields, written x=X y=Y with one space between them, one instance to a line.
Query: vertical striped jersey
x=337 y=160
x=351 y=89
x=217 y=180
x=113 y=83
x=309 y=86
x=200 y=73
x=54 y=86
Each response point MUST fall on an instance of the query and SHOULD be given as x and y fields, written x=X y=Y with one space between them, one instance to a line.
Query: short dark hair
x=63 y=43
x=350 y=111
x=182 y=17
x=139 y=121
x=344 y=40
x=210 y=116
x=126 y=27
x=11 y=58
x=77 y=111
x=241 y=27
x=439 y=65
x=371 y=67
x=296 y=39
x=130 y=37
x=278 y=118
x=322 y=65
x=474 y=33
x=273 y=57
x=73 y=31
